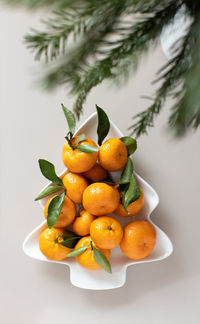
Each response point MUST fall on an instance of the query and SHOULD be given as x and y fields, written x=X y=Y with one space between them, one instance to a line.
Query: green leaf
x=48 y=171
x=81 y=138
x=70 y=242
x=124 y=207
x=48 y=191
x=87 y=148
x=54 y=209
x=67 y=234
x=123 y=189
x=127 y=172
x=111 y=183
x=102 y=260
x=70 y=120
x=133 y=192
x=103 y=124
x=131 y=144
x=77 y=251
x=69 y=239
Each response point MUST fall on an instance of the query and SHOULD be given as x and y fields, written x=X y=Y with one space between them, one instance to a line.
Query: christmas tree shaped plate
x=100 y=280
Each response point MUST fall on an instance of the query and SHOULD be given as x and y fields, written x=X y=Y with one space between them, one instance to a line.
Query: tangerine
x=76 y=160
x=75 y=184
x=113 y=155
x=86 y=259
x=138 y=240
x=81 y=225
x=48 y=246
x=133 y=208
x=100 y=199
x=106 y=232
x=67 y=214
x=97 y=173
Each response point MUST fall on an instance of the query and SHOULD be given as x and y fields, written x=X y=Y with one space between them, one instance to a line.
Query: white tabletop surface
x=32 y=127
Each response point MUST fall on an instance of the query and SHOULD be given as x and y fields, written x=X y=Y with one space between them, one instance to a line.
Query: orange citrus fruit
x=78 y=161
x=100 y=199
x=81 y=225
x=133 y=208
x=97 y=173
x=67 y=215
x=113 y=154
x=75 y=185
x=86 y=259
x=138 y=240
x=106 y=232
x=52 y=250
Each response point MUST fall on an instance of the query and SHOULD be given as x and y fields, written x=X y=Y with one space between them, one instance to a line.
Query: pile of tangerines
x=78 y=216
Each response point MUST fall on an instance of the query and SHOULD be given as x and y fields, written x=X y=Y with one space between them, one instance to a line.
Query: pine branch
x=34 y=4
x=53 y=41
x=146 y=118
x=181 y=82
x=138 y=39
x=172 y=76
x=109 y=39
x=186 y=112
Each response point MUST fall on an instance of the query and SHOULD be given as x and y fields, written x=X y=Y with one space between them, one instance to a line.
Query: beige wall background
x=32 y=127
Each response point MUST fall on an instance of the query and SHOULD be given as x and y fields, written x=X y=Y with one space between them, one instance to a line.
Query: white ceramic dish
x=100 y=280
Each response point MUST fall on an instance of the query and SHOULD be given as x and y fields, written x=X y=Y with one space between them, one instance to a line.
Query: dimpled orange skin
x=78 y=161
x=113 y=155
x=133 y=208
x=75 y=184
x=106 y=232
x=138 y=240
x=97 y=173
x=81 y=225
x=53 y=251
x=100 y=199
x=67 y=215
x=86 y=259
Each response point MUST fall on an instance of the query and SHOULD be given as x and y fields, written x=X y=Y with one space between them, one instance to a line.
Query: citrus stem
x=110 y=228
x=70 y=143
x=56 y=240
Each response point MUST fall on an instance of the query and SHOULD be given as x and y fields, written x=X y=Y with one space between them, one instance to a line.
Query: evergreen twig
x=90 y=41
